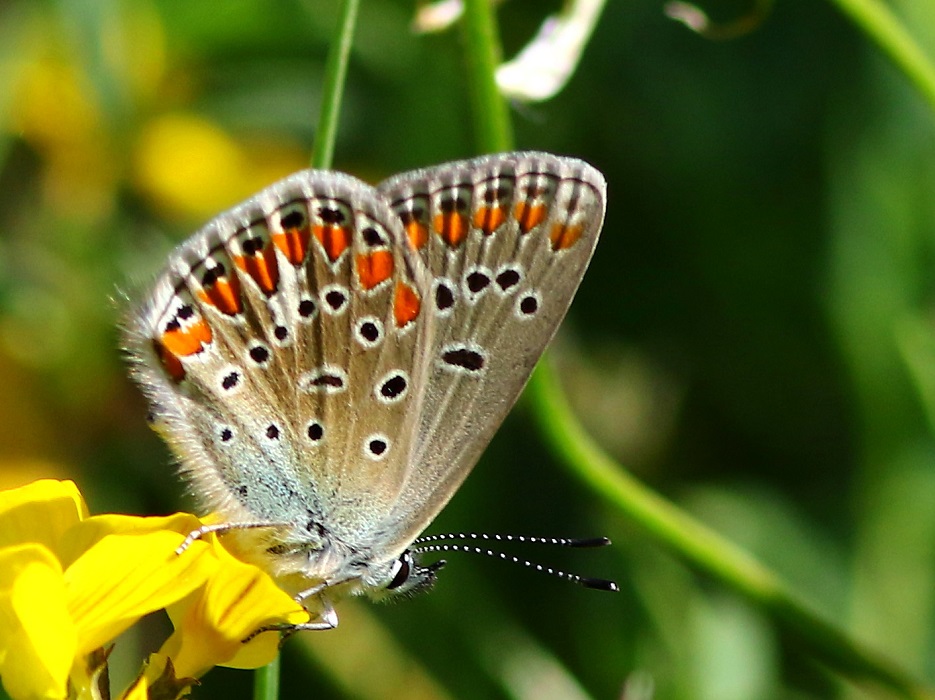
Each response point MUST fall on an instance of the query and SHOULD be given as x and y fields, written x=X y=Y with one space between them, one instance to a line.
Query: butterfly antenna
x=447 y=543
x=579 y=542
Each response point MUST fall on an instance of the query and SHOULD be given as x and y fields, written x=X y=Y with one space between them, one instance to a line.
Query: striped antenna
x=451 y=542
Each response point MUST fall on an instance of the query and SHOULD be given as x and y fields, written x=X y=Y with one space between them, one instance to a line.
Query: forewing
x=279 y=349
x=507 y=239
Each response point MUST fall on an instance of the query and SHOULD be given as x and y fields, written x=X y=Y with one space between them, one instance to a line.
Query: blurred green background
x=754 y=337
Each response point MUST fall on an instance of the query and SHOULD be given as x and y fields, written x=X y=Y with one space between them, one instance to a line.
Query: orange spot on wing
x=564 y=236
x=293 y=243
x=529 y=215
x=418 y=234
x=488 y=219
x=451 y=226
x=224 y=294
x=262 y=268
x=406 y=304
x=334 y=239
x=188 y=340
x=374 y=268
x=171 y=363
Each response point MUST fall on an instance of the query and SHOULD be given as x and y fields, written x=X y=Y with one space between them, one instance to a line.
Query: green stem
x=879 y=23
x=266 y=681
x=333 y=86
x=702 y=547
x=674 y=528
x=493 y=130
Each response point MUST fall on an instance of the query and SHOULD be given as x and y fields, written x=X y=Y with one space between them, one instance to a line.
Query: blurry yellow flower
x=69 y=584
x=193 y=168
x=187 y=164
x=53 y=105
x=55 y=110
x=66 y=107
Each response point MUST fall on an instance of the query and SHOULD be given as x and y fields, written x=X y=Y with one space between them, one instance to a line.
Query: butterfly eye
x=402 y=567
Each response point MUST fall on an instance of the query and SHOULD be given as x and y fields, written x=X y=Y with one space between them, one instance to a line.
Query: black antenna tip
x=599 y=584
x=590 y=542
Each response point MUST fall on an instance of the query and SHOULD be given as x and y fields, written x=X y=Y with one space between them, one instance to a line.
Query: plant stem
x=493 y=131
x=266 y=681
x=878 y=22
x=333 y=86
x=703 y=548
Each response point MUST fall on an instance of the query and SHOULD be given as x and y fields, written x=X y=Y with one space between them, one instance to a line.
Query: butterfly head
x=329 y=567
x=405 y=576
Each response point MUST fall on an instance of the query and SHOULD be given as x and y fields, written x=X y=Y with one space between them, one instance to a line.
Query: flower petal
x=37 y=636
x=40 y=512
x=123 y=577
x=138 y=691
x=437 y=16
x=211 y=625
x=544 y=65
x=89 y=532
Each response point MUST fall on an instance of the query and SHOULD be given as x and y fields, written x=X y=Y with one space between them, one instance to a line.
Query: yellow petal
x=123 y=577
x=37 y=637
x=50 y=85
x=212 y=624
x=40 y=512
x=89 y=532
x=137 y=691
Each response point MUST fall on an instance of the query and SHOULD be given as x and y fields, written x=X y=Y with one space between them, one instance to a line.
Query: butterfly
x=328 y=360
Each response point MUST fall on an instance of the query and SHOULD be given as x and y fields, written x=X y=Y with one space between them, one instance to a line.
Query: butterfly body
x=328 y=359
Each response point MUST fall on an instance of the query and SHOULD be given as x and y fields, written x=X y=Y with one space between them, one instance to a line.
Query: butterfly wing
x=506 y=239
x=279 y=349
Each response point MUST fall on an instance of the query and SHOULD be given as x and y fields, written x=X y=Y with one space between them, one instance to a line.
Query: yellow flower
x=211 y=623
x=69 y=584
x=191 y=167
x=35 y=653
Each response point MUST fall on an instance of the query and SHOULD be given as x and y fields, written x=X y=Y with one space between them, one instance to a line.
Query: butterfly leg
x=327 y=619
x=221 y=528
